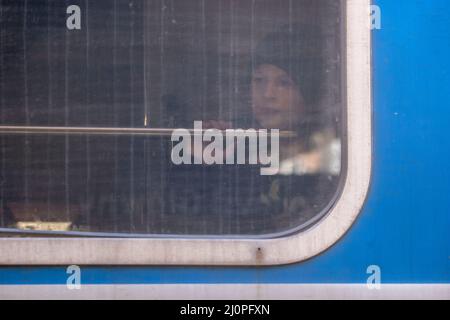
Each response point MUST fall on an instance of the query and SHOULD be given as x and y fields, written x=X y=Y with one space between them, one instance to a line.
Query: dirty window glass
x=172 y=117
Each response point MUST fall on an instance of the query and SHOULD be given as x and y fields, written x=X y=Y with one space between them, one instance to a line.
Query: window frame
x=245 y=252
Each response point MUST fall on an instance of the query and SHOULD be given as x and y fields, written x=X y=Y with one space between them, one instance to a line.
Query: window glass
x=181 y=117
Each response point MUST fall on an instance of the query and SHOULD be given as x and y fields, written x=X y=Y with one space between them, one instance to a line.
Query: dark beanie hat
x=296 y=49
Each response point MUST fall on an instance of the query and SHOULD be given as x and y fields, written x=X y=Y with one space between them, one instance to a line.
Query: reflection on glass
x=139 y=70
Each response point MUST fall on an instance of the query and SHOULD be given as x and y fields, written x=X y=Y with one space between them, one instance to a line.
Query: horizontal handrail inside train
x=151 y=132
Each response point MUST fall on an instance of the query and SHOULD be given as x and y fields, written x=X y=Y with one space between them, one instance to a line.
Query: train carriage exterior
x=379 y=231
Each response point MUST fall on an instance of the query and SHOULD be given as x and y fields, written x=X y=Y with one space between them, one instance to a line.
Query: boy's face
x=277 y=102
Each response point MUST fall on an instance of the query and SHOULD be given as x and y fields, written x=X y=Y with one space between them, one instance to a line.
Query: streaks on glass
x=163 y=64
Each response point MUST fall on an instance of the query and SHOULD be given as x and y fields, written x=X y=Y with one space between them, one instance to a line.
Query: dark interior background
x=133 y=64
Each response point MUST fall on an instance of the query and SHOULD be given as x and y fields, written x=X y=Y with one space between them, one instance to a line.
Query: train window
x=182 y=122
